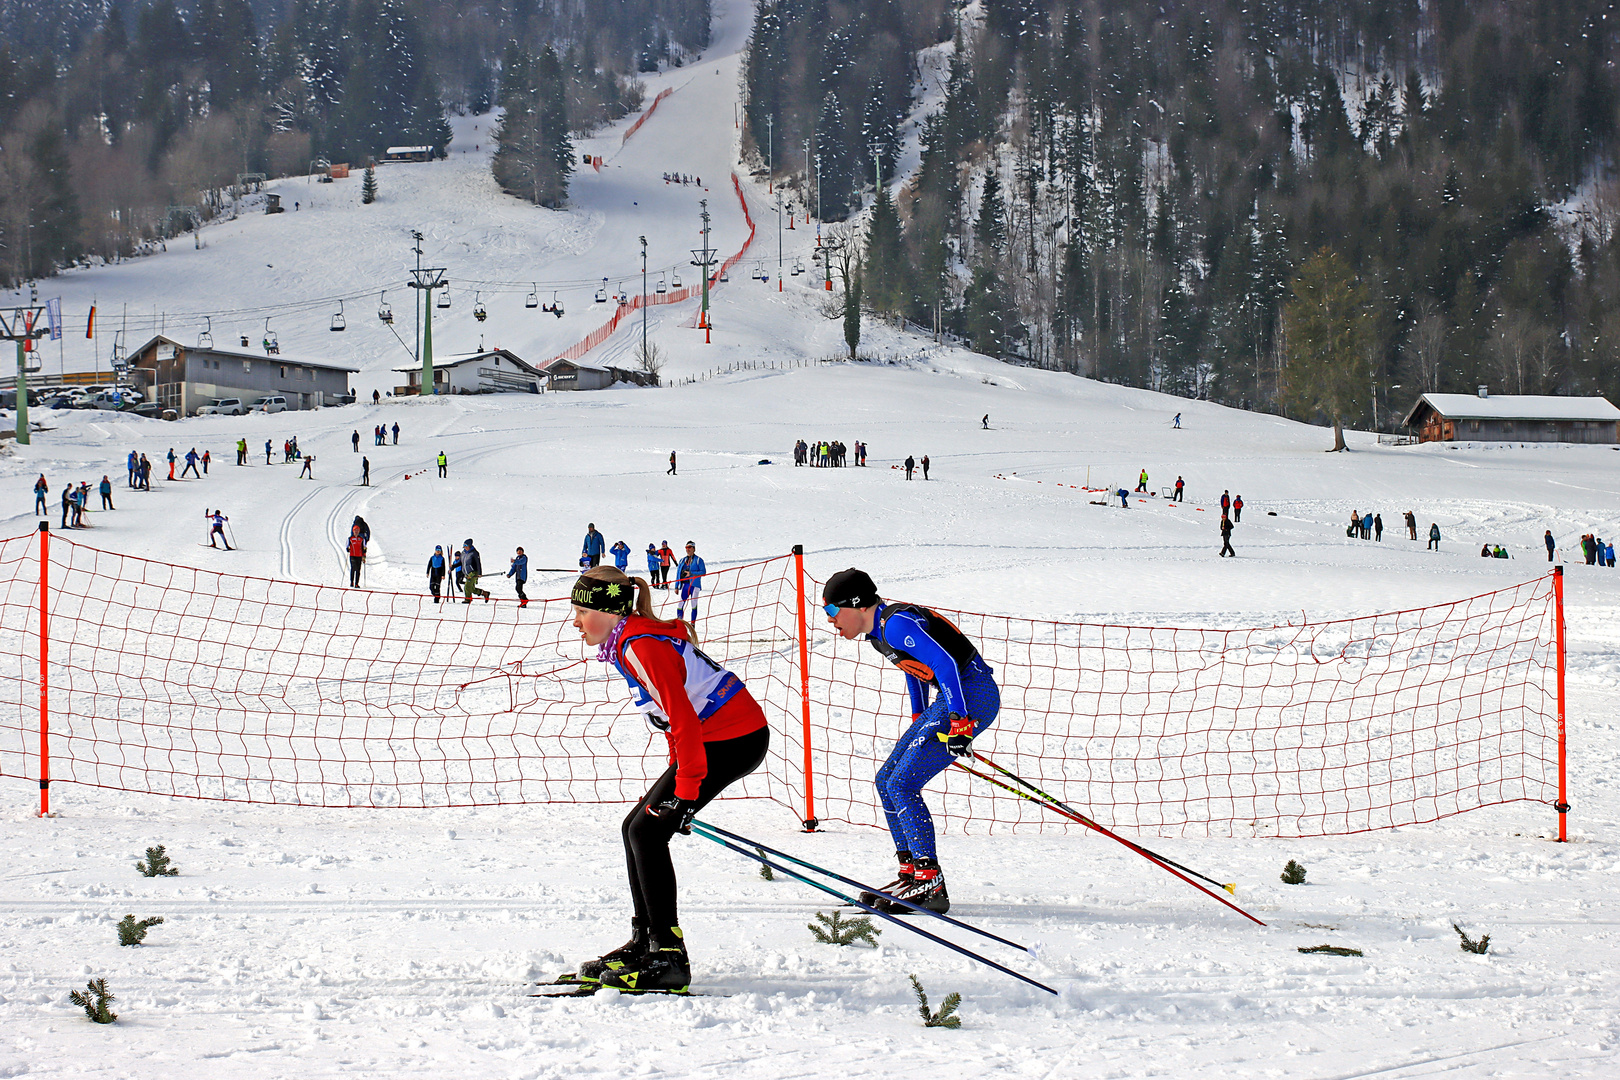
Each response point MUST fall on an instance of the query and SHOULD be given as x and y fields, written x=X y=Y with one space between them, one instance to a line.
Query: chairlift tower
x=24 y=325
x=704 y=257
x=425 y=279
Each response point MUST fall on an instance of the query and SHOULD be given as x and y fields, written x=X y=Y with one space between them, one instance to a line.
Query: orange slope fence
x=675 y=296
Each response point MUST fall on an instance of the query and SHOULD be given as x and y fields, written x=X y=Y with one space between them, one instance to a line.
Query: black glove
x=680 y=811
x=958 y=735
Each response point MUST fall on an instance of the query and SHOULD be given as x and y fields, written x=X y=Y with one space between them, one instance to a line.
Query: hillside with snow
x=319 y=942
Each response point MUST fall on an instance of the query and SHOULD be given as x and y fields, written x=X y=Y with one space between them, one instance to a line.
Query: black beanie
x=850 y=588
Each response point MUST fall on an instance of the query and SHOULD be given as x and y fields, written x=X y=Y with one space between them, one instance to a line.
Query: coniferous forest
x=1223 y=199
x=112 y=112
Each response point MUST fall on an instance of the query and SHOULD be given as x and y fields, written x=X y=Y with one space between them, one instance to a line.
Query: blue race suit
x=935 y=656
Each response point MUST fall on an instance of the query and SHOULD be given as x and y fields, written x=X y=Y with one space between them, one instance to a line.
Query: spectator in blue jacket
x=689 y=580
x=653 y=563
x=595 y=544
x=520 y=571
x=621 y=554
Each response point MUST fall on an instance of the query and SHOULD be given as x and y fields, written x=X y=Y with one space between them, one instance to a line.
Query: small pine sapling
x=946 y=1017
x=841 y=931
x=95 y=1000
x=1469 y=944
x=1293 y=873
x=156 y=864
x=133 y=932
x=1330 y=950
x=764 y=867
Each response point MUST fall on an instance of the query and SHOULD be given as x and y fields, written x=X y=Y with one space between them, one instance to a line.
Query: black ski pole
x=865 y=888
x=704 y=831
x=1075 y=815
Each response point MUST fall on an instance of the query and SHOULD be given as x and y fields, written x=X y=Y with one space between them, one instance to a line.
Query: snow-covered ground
x=303 y=942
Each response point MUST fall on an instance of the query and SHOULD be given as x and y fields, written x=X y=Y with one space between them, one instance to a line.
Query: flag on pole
x=90 y=324
x=53 y=317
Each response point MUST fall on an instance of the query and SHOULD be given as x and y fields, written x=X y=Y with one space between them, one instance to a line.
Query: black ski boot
x=628 y=953
x=663 y=967
x=927 y=890
x=871 y=898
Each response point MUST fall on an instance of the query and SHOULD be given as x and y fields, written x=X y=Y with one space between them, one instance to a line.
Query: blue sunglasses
x=832 y=610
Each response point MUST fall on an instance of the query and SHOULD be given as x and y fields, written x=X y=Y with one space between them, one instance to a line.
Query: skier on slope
x=357 y=555
x=217 y=520
x=717 y=734
x=936 y=657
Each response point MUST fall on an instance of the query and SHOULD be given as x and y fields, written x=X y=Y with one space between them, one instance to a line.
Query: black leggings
x=646 y=838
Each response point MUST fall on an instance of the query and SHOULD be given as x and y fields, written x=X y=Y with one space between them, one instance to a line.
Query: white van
x=115 y=399
x=269 y=405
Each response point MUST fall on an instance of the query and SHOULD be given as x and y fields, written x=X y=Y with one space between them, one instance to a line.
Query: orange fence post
x=810 y=821
x=1562 y=805
x=44 y=668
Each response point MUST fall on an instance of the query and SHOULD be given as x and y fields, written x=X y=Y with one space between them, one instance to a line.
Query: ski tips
x=1231 y=888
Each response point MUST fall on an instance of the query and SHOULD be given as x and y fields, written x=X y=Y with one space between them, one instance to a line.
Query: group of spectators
x=827 y=455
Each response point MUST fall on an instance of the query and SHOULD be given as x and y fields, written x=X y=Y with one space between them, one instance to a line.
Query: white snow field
x=307 y=941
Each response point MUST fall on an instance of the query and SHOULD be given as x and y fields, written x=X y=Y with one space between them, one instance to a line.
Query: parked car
x=229 y=406
x=149 y=409
x=69 y=399
x=116 y=399
x=269 y=405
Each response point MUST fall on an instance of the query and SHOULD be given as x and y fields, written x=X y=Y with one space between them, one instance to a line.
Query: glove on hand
x=958 y=735
x=680 y=811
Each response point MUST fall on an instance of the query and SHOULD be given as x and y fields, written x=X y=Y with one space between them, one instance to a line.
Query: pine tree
x=852 y=310
x=368 y=185
x=1329 y=330
x=883 y=283
x=834 y=161
x=990 y=227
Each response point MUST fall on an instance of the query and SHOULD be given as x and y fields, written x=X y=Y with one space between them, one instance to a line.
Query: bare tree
x=651 y=359
x=1426 y=347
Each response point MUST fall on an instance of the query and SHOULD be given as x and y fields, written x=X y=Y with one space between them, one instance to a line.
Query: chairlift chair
x=339 y=323
x=532 y=300
x=663 y=286
x=384 y=312
x=675 y=279
x=759 y=273
x=622 y=296
x=444 y=300
x=601 y=294
x=798 y=267
x=478 y=308
x=205 y=340
x=725 y=275
x=556 y=306
x=272 y=344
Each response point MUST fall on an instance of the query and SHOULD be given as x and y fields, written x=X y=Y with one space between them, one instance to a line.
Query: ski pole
x=1230 y=887
x=703 y=830
x=1075 y=815
x=865 y=888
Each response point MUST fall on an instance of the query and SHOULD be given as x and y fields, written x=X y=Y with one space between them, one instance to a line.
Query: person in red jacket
x=357 y=555
x=717 y=735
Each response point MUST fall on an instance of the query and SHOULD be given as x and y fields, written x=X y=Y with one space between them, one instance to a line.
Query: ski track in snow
x=312 y=943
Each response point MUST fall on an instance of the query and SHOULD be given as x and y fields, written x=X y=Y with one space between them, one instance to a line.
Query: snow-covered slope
x=315 y=943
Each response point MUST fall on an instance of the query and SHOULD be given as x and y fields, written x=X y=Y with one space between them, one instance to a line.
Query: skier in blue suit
x=653 y=563
x=689 y=580
x=939 y=662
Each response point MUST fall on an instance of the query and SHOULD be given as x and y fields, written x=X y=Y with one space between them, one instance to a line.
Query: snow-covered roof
x=450 y=360
x=577 y=365
x=408 y=150
x=1516 y=407
x=246 y=354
